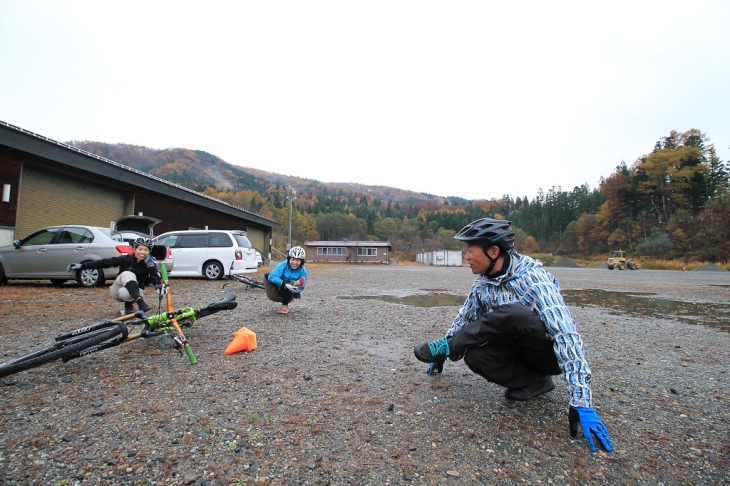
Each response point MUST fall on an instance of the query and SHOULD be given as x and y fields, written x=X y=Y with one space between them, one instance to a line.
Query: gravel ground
x=333 y=393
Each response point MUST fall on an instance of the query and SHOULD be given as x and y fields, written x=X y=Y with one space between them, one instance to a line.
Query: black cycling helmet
x=147 y=241
x=488 y=232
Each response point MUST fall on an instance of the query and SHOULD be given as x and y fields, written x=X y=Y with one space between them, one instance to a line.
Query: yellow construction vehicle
x=619 y=261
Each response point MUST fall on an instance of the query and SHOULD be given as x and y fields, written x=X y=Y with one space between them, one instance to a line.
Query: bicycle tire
x=56 y=353
x=250 y=282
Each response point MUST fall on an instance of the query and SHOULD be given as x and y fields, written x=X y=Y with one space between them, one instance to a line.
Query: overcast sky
x=472 y=99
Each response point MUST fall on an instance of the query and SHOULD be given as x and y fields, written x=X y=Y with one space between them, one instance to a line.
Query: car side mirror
x=16 y=244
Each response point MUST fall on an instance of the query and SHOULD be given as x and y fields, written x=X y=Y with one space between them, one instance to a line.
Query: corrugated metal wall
x=443 y=258
x=257 y=237
x=50 y=198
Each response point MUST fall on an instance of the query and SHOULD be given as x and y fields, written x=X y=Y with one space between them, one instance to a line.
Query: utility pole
x=291 y=199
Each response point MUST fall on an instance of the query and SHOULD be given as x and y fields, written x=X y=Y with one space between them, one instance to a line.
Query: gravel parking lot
x=334 y=395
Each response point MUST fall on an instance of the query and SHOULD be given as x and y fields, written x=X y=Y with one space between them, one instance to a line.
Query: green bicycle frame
x=173 y=319
x=163 y=322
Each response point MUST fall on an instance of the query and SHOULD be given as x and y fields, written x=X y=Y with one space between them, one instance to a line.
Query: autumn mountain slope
x=198 y=170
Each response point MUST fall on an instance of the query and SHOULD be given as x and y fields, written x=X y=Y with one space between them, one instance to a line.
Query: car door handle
x=79 y=248
x=42 y=250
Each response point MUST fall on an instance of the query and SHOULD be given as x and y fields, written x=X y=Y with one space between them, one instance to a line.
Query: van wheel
x=213 y=271
x=3 y=278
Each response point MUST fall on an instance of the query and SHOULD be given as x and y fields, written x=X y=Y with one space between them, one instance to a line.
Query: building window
x=367 y=252
x=331 y=251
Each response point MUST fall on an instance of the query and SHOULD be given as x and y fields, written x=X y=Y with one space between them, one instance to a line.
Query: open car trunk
x=138 y=224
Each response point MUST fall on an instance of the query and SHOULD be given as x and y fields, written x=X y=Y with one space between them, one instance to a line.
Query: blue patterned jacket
x=529 y=284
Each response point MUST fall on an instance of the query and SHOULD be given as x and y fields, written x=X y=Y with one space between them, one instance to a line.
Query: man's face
x=476 y=259
x=294 y=263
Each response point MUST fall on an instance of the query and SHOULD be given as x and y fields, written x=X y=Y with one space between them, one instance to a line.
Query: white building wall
x=442 y=258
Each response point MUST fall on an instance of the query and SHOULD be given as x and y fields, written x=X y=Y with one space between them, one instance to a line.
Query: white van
x=209 y=253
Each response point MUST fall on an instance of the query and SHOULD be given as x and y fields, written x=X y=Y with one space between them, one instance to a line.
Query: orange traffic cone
x=243 y=340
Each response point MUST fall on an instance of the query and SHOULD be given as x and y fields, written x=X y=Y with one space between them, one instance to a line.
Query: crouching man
x=515 y=330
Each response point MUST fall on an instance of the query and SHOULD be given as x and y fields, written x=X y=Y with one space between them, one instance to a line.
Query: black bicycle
x=251 y=283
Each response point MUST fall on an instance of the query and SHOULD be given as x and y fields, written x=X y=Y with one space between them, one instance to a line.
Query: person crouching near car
x=135 y=271
x=286 y=281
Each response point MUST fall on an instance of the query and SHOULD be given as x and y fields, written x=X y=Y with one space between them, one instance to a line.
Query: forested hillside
x=669 y=203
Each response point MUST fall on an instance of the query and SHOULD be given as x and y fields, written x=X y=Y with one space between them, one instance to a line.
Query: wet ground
x=697 y=306
x=334 y=395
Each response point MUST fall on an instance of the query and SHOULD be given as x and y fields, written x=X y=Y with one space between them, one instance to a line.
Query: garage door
x=256 y=236
x=49 y=198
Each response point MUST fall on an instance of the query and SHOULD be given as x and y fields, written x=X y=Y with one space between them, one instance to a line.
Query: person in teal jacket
x=287 y=280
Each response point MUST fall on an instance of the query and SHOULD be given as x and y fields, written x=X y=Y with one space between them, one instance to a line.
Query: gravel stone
x=333 y=393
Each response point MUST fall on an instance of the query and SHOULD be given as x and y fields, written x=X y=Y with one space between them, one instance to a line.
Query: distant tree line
x=670 y=204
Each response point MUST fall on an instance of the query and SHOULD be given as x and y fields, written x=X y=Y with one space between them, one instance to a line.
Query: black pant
x=277 y=294
x=509 y=346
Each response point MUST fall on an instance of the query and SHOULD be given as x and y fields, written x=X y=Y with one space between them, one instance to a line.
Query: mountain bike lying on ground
x=251 y=283
x=113 y=332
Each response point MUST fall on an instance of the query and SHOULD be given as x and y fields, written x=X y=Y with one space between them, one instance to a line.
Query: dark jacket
x=145 y=271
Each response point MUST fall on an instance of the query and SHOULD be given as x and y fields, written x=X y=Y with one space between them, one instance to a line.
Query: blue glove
x=436 y=367
x=591 y=424
x=73 y=266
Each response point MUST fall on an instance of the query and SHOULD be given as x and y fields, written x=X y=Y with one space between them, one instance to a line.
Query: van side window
x=219 y=240
x=193 y=241
x=169 y=240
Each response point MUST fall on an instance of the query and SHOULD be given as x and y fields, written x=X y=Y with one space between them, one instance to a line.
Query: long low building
x=46 y=183
x=348 y=251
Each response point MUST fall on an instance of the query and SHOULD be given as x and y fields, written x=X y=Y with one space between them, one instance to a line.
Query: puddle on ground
x=638 y=304
x=643 y=304
x=436 y=299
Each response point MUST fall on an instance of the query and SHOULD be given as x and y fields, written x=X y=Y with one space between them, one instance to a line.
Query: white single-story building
x=445 y=258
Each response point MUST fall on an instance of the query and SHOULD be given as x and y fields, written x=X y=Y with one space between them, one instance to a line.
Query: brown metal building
x=348 y=251
x=45 y=183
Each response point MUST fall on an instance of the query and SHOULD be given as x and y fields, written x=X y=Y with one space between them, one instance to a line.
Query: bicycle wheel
x=51 y=353
x=250 y=282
